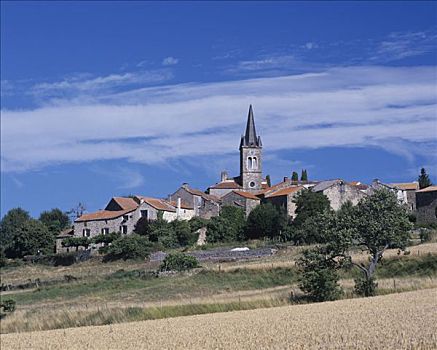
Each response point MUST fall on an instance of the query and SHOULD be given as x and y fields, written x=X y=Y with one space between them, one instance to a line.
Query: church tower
x=250 y=157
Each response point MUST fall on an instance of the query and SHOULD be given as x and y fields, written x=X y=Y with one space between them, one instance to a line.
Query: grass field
x=398 y=321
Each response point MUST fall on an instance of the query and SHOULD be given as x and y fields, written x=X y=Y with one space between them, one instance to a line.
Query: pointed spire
x=250 y=138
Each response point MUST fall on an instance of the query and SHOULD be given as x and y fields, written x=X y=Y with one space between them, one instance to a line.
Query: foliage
x=178 y=262
x=143 y=227
x=129 y=247
x=2 y=257
x=10 y=223
x=197 y=223
x=7 y=306
x=304 y=175
x=269 y=181
x=229 y=226
x=55 y=220
x=365 y=287
x=30 y=238
x=77 y=242
x=183 y=233
x=423 y=179
x=295 y=176
x=266 y=221
x=319 y=278
x=106 y=239
x=309 y=204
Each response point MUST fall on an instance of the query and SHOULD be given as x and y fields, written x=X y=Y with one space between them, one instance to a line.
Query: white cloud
x=170 y=61
x=346 y=106
x=310 y=45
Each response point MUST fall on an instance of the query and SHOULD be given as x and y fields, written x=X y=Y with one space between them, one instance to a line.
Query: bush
x=365 y=287
x=7 y=307
x=129 y=247
x=266 y=221
x=319 y=278
x=178 y=262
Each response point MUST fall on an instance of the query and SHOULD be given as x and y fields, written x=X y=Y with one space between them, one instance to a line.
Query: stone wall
x=340 y=193
x=426 y=203
x=234 y=199
x=220 y=192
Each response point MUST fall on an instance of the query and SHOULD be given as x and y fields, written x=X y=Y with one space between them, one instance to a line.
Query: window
x=254 y=163
x=124 y=229
x=144 y=214
x=125 y=217
x=85 y=223
x=86 y=232
x=105 y=231
x=249 y=163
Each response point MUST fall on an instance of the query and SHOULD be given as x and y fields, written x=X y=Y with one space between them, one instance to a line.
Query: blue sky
x=102 y=99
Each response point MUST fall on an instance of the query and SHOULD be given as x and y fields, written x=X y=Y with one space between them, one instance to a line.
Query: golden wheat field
x=397 y=321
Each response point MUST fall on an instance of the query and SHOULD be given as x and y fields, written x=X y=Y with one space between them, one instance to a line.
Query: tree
x=269 y=182
x=295 y=176
x=55 y=220
x=423 y=179
x=379 y=222
x=106 y=239
x=129 y=247
x=14 y=219
x=183 y=233
x=30 y=238
x=304 y=175
x=309 y=204
x=266 y=221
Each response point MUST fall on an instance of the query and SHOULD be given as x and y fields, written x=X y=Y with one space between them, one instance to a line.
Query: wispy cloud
x=170 y=61
x=81 y=84
x=344 y=106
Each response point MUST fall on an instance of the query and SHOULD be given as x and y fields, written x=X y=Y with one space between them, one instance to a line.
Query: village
x=247 y=191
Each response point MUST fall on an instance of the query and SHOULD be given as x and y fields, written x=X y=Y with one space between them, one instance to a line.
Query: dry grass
x=397 y=321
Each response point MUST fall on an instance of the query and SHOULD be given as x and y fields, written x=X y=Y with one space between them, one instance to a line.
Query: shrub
x=265 y=221
x=129 y=247
x=365 y=287
x=319 y=278
x=178 y=262
x=7 y=307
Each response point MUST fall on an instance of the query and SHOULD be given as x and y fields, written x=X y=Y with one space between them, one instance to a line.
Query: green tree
x=304 y=175
x=295 y=176
x=423 y=179
x=55 y=220
x=379 y=222
x=309 y=204
x=29 y=238
x=269 y=182
x=106 y=239
x=183 y=233
x=266 y=221
x=129 y=247
x=319 y=277
x=9 y=224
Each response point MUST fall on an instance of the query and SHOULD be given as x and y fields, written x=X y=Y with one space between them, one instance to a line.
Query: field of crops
x=397 y=321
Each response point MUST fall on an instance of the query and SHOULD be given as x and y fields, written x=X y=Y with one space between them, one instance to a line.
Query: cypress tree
x=304 y=175
x=423 y=179
x=295 y=177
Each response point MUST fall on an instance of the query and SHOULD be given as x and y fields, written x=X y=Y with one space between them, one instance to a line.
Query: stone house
x=426 y=205
x=284 y=198
x=339 y=192
x=401 y=194
x=409 y=190
x=246 y=200
x=67 y=233
x=204 y=205
x=225 y=186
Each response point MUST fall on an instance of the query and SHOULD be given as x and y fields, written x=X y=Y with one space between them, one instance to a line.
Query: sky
x=103 y=99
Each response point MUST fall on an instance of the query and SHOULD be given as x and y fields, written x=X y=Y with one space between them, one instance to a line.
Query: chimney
x=285 y=178
x=178 y=209
x=223 y=176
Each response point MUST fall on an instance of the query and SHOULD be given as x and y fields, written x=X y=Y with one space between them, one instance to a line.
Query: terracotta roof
x=66 y=233
x=226 y=185
x=285 y=191
x=204 y=195
x=359 y=185
x=247 y=195
x=126 y=203
x=103 y=215
x=159 y=204
x=428 y=189
x=183 y=205
x=406 y=186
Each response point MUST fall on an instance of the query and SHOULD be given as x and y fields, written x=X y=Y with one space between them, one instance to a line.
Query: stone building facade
x=339 y=192
x=246 y=200
x=407 y=193
x=284 y=198
x=426 y=203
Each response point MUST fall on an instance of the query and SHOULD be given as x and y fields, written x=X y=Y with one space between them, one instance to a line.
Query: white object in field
x=245 y=249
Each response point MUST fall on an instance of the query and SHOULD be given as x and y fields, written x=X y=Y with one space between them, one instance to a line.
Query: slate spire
x=250 y=139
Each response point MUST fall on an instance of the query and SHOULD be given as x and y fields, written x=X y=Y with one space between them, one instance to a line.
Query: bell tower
x=250 y=157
